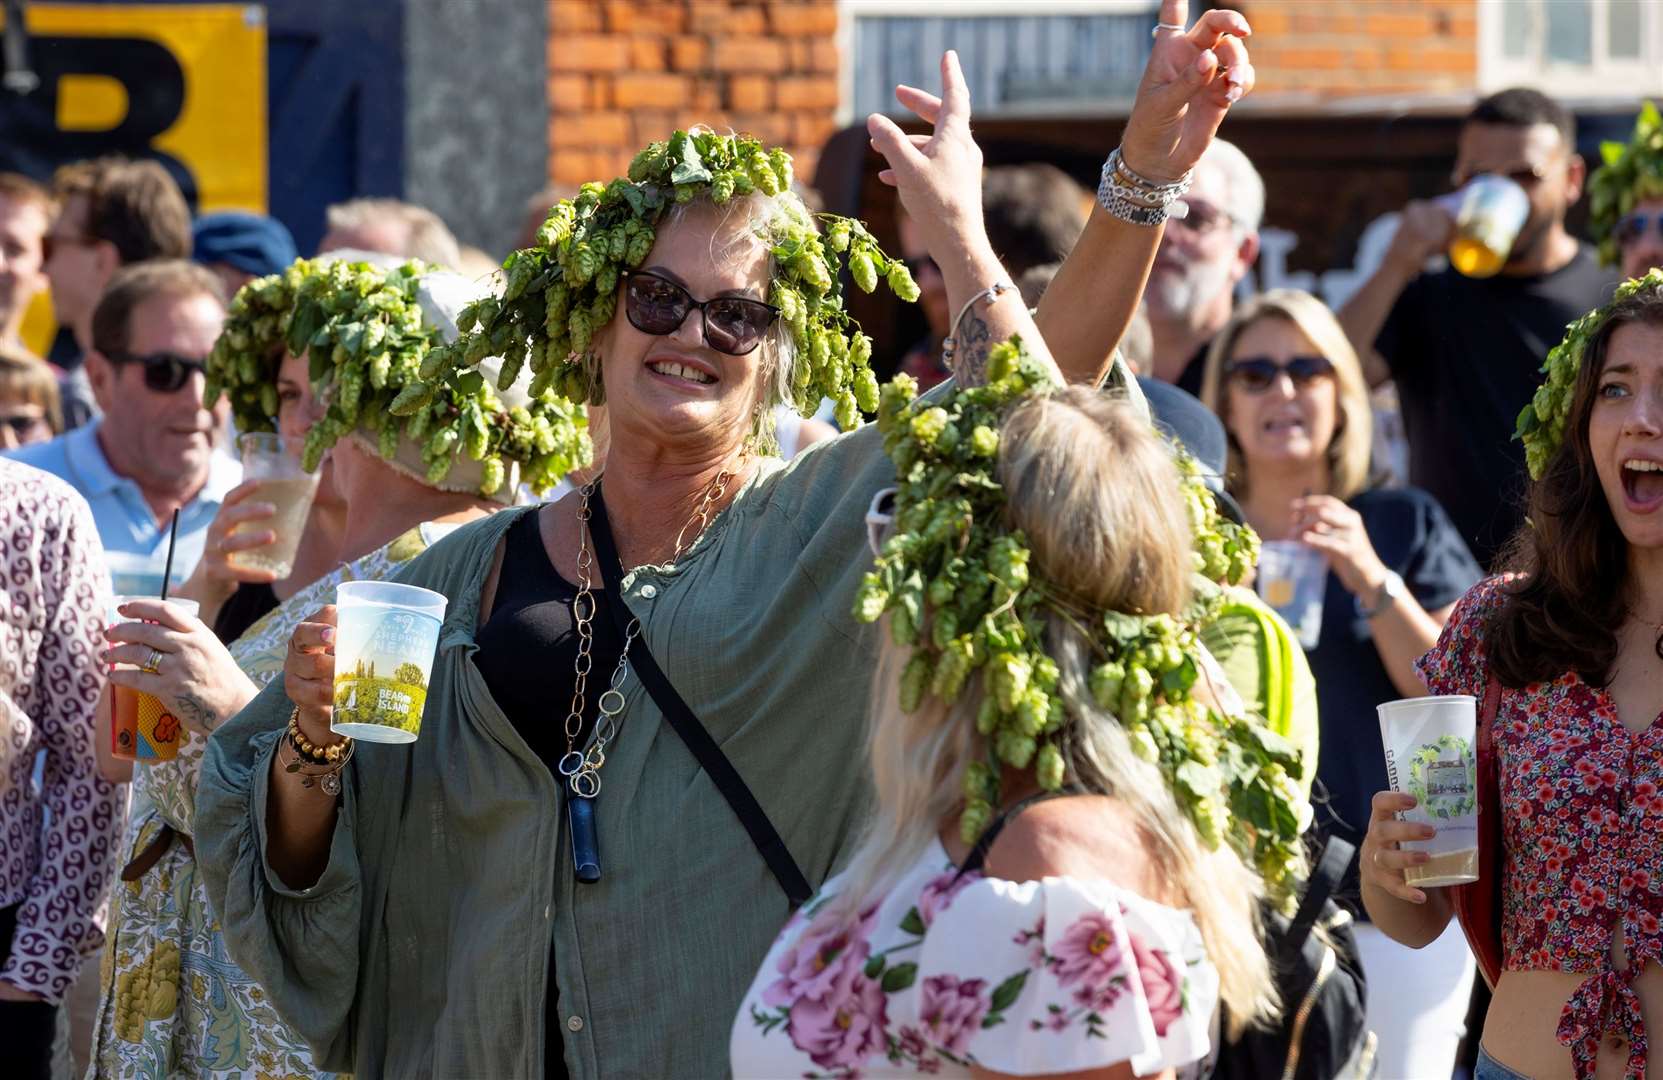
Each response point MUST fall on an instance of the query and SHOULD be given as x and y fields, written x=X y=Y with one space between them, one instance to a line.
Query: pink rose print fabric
x=948 y=972
x=57 y=840
x=1582 y=832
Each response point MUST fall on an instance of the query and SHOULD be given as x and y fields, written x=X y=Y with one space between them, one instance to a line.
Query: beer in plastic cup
x=384 y=646
x=286 y=486
x=1489 y=212
x=1292 y=579
x=142 y=729
x=1432 y=754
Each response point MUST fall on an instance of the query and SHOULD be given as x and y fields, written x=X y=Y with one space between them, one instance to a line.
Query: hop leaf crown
x=1629 y=173
x=956 y=584
x=363 y=331
x=1542 y=422
x=559 y=294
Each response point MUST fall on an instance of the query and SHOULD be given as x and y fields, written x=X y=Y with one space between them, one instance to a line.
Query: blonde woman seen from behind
x=1100 y=932
x=1289 y=388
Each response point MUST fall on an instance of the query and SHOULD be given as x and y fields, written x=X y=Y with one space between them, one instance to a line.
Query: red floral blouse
x=1582 y=833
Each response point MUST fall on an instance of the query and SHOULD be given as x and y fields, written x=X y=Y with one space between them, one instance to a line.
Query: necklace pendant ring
x=586 y=784
x=571 y=763
x=612 y=703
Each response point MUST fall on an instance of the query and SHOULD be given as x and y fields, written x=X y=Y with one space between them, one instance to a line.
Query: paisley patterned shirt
x=1582 y=833
x=57 y=837
x=172 y=1001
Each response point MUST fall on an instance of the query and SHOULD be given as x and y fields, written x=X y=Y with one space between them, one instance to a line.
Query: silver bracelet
x=1124 y=194
x=950 y=343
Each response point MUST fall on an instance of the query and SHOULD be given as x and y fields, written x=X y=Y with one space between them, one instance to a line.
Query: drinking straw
x=172 y=538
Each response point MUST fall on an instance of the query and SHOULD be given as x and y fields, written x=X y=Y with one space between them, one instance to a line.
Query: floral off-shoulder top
x=949 y=972
x=1582 y=833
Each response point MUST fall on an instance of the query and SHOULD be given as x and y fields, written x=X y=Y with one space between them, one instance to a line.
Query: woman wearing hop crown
x=550 y=881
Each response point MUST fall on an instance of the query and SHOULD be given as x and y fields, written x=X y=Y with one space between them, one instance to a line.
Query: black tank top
x=527 y=650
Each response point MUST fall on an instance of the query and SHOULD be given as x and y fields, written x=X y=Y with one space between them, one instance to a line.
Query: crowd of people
x=740 y=663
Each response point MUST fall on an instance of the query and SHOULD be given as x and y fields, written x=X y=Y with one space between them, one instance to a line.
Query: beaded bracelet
x=311 y=774
x=321 y=755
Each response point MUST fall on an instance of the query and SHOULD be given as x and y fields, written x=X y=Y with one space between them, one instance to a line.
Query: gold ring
x=153 y=662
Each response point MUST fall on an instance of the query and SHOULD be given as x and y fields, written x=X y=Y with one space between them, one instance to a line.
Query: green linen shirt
x=423 y=949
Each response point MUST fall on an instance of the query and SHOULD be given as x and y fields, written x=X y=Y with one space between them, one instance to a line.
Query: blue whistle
x=586 y=851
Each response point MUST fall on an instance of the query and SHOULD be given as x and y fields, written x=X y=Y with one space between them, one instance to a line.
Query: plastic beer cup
x=1292 y=579
x=1431 y=753
x=384 y=647
x=287 y=487
x=142 y=729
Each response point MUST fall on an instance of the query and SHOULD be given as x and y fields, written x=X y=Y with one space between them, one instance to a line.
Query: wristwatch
x=1391 y=587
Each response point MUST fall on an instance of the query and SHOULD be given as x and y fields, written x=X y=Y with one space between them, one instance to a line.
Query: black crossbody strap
x=1325 y=878
x=704 y=749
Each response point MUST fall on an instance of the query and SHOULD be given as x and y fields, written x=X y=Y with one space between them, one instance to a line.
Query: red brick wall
x=625 y=72
x=1353 y=47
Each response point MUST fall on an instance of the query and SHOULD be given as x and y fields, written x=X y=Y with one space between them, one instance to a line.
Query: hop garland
x=1541 y=425
x=559 y=294
x=364 y=332
x=958 y=590
x=1630 y=173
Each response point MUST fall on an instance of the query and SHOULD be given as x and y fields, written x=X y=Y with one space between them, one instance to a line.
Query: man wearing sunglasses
x=151 y=452
x=1466 y=352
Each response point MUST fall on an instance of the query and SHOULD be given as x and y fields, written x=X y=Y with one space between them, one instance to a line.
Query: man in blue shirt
x=151 y=453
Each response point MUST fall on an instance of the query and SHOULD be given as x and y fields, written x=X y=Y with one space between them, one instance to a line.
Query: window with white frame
x=1018 y=55
x=1572 y=48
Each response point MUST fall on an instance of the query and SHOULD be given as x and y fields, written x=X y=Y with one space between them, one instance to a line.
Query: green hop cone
x=901 y=283
x=1014 y=748
x=1048 y=769
x=862 y=270
x=871 y=599
x=915 y=679
x=493 y=478
x=866 y=390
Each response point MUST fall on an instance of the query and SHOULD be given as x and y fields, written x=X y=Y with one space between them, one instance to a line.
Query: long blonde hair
x=1097 y=495
x=1353 y=443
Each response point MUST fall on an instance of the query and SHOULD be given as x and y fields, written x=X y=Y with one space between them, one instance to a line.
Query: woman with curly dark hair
x=1570 y=642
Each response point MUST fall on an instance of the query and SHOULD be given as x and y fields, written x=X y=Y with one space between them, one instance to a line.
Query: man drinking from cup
x=1465 y=351
x=151 y=453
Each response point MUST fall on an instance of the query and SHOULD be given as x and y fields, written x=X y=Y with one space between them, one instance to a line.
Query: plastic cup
x=142 y=729
x=1489 y=212
x=384 y=647
x=1292 y=579
x=267 y=458
x=1431 y=753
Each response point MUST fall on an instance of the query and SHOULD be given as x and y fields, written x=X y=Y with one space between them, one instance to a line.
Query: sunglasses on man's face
x=1634 y=226
x=1256 y=374
x=917 y=264
x=164 y=372
x=658 y=306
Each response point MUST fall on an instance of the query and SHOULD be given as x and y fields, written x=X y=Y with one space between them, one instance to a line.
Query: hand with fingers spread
x=937 y=176
x=176 y=658
x=1193 y=77
x=309 y=674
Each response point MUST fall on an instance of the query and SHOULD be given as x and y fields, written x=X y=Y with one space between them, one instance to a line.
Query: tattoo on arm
x=200 y=716
x=974 y=343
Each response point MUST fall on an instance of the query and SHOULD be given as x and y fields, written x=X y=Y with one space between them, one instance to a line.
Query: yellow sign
x=185 y=82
